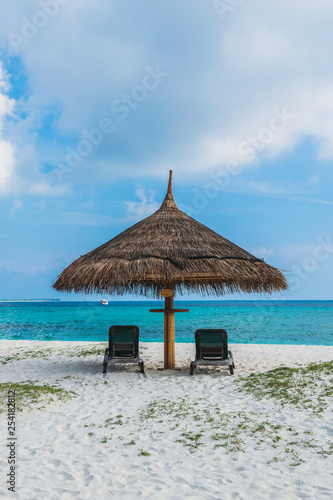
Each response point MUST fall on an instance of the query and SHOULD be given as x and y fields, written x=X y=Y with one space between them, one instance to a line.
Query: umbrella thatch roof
x=169 y=248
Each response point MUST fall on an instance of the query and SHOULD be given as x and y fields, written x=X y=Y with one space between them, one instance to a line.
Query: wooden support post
x=169 y=334
x=169 y=325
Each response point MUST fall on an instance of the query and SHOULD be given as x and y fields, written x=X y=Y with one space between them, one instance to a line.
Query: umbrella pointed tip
x=170 y=183
x=169 y=202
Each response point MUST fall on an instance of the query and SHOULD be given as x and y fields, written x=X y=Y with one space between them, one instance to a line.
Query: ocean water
x=260 y=322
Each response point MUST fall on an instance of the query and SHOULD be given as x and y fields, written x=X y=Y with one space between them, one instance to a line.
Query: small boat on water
x=104 y=302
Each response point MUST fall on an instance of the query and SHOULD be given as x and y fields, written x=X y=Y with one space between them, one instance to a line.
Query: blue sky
x=100 y=98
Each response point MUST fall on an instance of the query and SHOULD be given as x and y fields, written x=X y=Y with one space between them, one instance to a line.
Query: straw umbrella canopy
x=169 y=250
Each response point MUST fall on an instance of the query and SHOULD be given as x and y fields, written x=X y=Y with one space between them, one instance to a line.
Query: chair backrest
x=211 y=344
x=124 y=341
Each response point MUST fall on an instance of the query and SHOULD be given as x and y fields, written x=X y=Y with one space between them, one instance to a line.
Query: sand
x=101 y=444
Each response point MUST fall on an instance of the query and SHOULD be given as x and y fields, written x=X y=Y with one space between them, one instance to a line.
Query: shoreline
x=248 y=357
x=20 y=341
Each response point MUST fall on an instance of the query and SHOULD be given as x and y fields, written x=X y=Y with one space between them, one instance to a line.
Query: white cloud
x=225 y=80
x=6 y=165
x=146 y=206
x=311 y=200
x=17 y=205
x=6 y=148
x=275 y=189
x=19 y=157
x=45 y=189
x=263 y=252
x=313 y=180
x=85 y=219
x=267 y=188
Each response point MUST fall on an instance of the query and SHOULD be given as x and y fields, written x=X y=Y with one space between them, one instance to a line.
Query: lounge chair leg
x=231 y=368
x=231 y=357
x=105 y=367
x=191 y=369
x=142 y=367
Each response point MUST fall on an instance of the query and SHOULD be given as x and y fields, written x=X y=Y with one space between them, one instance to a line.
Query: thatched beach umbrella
x=169 y=252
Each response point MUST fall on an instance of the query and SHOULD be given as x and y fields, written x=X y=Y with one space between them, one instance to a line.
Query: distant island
x=29 y=300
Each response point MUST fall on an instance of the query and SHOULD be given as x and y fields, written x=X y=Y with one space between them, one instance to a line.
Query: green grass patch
x=144 y=453
x=22 y=353
x=306 y=388
x=199 y=423
x=32 y=396
x=105 y=439
x=130 y=443
x=45 y=353
x=83 y=352
x=113 y=421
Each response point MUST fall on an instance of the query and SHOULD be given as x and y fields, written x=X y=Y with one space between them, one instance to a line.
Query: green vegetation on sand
x=307 y=388
x=32 y=396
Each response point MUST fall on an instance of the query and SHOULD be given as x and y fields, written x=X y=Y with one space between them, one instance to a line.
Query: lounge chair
x=123 y=346
x=211 y=348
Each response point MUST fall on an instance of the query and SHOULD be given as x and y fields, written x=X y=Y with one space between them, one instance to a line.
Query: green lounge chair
x=123 y=346
x=211 y=348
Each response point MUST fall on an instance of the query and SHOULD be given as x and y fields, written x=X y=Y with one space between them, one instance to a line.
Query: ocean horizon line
x=159 y=300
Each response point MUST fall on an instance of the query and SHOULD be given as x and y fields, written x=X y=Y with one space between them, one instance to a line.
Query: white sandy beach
x=108 y=443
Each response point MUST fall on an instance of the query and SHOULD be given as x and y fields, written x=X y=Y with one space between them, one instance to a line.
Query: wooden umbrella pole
x=169 y=328
x=169 y=324
x=169 y=333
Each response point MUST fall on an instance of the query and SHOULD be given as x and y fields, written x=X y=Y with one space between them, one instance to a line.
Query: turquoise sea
x=260 y=322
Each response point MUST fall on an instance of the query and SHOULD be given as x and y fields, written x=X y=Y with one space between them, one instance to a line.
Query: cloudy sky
x=100 y=98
